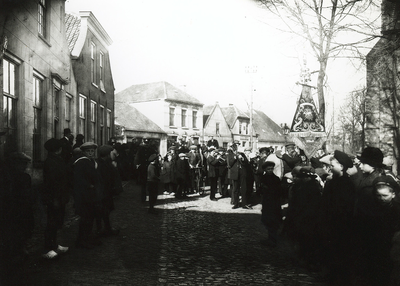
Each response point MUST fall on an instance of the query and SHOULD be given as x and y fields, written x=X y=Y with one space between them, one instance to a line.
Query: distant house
x=173 y=110
x=215 y=125
x=38 y=87
x=269 y=134
x=88 y=43
x=135 y=124
x=239 y=124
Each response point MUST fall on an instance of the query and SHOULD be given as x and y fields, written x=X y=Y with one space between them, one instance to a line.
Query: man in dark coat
x=213 y=142
x=222 y=173
x=291 y=157
x=55 y=196
x=153 y=178
x=182 y=169
x=212 y=174
x=141 y=163
x=108 y=175
x=237 y=174
x=88 y=194
x=271 y=213
x=337 y=207
x=66 y=142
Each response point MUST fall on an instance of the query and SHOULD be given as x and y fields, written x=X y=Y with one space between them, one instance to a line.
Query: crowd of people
x=340 y=212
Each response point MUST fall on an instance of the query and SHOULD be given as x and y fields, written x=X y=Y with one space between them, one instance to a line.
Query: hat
x=152 y=157
x=248 y=149
x=211 y=148
x=268 y=164
x=193 y=147
x=264 y=150
x=343 y=159
x=182 y=155
x=326 y=159
x=290 y=145
x=104 y=150
x=372 y=156
x=88 y=145
x=52 y=145
x=387 y=181
x=171 y=148
x=296 y=170
x=306 y=171
x=67 y=131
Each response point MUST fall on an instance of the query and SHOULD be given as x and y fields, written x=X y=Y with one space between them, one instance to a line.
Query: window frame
x=194 y=119
x=183 y=118
x=93 y=77
x=172 y=116
x=42 y=18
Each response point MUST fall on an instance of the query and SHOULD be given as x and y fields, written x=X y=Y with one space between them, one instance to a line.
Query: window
x=37 y=117
x=93 y=109
x=68 y=105
x=93 y=62
x=171 y=116
x=82 y=115
x=42 y=18
x=57 y=96
x=108 y=124
x=217 y=128
x=101 y=122
x=9 y=106
x=183 y=117
x=240 y=127
x=101 y=65
x=194 y=118
x=247 y=128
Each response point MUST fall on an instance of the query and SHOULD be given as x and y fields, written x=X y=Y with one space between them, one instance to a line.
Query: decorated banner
x=307 y=129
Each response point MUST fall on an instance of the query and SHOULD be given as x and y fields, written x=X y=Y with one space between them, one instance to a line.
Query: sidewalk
x=194 y=241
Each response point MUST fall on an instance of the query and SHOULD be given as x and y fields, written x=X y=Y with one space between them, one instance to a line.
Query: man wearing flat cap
x=338 y=199
x=55 y=196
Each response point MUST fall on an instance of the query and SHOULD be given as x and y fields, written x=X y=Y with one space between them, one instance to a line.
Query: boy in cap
x=153 y=177
x=55 y=196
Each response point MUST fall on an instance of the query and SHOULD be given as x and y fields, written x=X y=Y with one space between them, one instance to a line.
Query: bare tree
x=323 y=24
x=352 y=120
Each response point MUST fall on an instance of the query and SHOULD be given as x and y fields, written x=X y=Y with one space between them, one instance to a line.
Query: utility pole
x=251 y=70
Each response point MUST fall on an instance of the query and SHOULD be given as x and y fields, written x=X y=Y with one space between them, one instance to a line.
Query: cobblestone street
x=194 y=241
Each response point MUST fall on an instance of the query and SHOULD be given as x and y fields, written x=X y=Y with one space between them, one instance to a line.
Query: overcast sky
x=203 y=47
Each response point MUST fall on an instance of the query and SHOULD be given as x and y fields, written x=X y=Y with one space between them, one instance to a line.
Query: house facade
x=383 y=85
x=37 y=82
x=88 y=43
x=239 y=124
x=215 y=125
x=176 y=112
